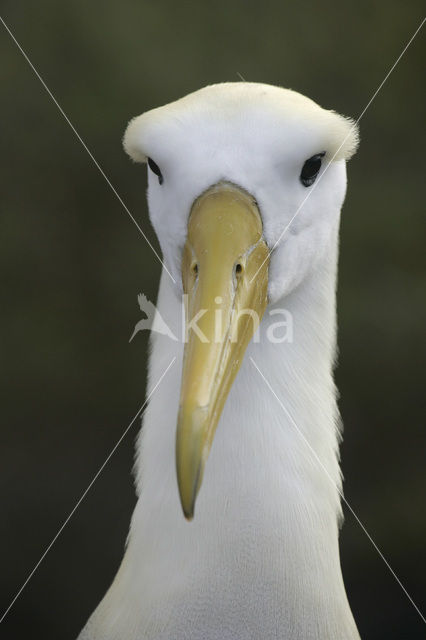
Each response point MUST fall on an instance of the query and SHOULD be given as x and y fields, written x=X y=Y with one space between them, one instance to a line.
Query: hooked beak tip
x=189 y=515
x=188 y=507
x=189 y=472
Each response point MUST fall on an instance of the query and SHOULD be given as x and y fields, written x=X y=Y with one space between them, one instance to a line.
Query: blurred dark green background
x=72 y=264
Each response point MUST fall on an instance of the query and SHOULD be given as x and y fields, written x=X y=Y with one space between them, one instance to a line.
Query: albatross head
x=245 y=187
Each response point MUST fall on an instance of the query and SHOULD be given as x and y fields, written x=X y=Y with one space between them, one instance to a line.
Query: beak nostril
x=238 y=268
x=195 y=268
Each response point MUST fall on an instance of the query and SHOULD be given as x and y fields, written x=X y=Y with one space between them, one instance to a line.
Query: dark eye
x=311 y=169
x=155 y=169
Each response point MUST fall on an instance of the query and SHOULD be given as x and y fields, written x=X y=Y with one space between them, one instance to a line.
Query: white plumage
x=261 y=558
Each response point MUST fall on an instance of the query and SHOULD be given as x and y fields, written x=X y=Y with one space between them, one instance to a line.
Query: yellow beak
x=224 y=305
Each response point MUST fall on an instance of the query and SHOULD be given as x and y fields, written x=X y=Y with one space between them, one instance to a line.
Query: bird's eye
x=155 y=169
x=311 y=169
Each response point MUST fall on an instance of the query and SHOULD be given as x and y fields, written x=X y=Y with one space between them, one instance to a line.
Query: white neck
x=263 y=546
